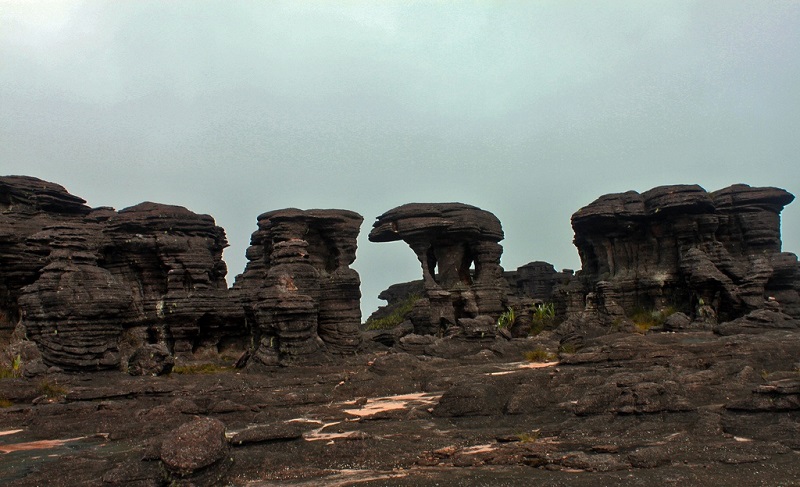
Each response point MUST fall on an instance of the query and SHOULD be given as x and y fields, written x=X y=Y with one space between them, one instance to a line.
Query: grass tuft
x=397 y=316
x=14 y=371
x=200 y=369
x=567 y=348
x=529 y=437
x=543 y=317
x=644 y=320
x=506 y=319
x=52 y=390
x=540 y=355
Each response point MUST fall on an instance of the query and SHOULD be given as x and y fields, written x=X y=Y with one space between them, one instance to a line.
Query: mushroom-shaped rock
x=457 y=247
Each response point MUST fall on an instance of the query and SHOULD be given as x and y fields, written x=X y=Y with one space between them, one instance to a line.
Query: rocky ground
x=626 y=409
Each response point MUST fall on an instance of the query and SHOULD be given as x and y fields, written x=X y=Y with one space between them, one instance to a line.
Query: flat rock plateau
x=627 y=409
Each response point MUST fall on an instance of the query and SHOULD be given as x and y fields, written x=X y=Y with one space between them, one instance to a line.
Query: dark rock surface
x=709 y=255
x=626 y=409
x=457 y=246
x=298 y=289
x=537 y=280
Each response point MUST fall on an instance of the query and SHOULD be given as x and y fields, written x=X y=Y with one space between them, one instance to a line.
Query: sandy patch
x=340 y=479
x=474 y=450
x=377 y=405
x=9 y=432
x=36 y=445
x=516 y=366
x=318 y=435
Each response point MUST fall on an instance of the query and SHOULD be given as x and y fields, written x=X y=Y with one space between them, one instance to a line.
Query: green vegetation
x=506 y=319
x=644 y=320
x=543 y=317
x=52 y=390
x=200 y=369
x=398 y=315
x=567 y=348
x=529 y=437
x=15 y=370
x=540 y=355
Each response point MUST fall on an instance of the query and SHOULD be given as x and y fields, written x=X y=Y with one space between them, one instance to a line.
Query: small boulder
x=151 y=359
x=194 y=446
x=677 y=321
x=470 y=399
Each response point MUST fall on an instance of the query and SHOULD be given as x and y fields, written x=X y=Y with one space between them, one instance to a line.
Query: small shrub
x=52 y=390
x=644 y=320
x=200 y=369
x=5 y=403
x=539 y=355
x=567 y=348
x=544 y=311
x=397 y=316
x=529 y=437
x=15 y=370
x=506 y=319
x=542 y=317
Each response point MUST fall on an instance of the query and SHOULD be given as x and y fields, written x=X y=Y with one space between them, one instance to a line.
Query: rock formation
x=27 y=206
x=710 y=255
x=90 y=286
x=457 y=246
x=298 y=289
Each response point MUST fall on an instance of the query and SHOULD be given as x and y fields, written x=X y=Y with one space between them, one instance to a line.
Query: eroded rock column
x=298 y=290
x=459 y=252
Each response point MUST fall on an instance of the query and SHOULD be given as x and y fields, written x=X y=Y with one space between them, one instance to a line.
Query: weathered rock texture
x=458 y=248
x=537 y=280
x=713 y=256
x=299 y=292
x=90 y=286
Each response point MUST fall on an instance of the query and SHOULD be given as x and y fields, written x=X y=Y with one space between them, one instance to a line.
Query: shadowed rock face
x=92 y=286
x=457 y=246
x=681 y=246
x=298 y=289
x=27 y=206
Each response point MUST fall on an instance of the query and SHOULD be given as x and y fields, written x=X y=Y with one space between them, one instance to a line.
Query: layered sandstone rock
x=89 y=287
x=458 y=248
x=171 y=261
x=682 y=247
x=27 y=206
x=299 y=292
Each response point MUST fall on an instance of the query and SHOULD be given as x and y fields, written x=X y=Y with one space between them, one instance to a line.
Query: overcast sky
x=528 y=109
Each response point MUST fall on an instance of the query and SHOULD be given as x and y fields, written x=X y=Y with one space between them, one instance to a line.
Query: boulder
x=151 y=359
x=194 y=450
